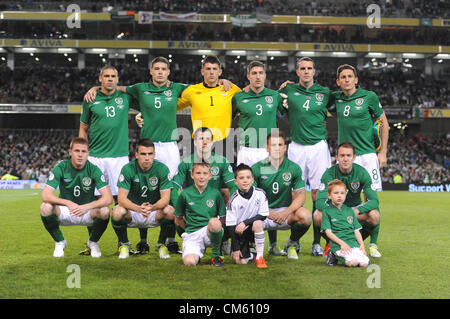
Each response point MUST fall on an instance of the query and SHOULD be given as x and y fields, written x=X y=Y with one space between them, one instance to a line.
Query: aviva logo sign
x=334 y=47
x=50 y=43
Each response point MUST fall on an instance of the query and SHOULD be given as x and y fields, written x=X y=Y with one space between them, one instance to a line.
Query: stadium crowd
x=391 y=8
x=394 y=86
x=31 y=154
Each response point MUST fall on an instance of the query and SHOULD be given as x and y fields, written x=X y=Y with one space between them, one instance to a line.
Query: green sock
x=143 y=232
x=366 y=230
x=51 y=223
x=297 y=231
x=89 y=229
x=167 y=227
x=374 y=234
x=98 y=229
x=272 y=236
x=316 y=229
x=216 y=242
x=120 y=227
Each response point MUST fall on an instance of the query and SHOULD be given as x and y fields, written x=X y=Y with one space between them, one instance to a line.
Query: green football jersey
x=355 y=115
x=198 y=208
x=107 y=118
x=144 y=186
x=357 y=181
x=343 y=223
x=258 y=115
x=159 y=109
x=76 y=185
x=307 y=112
x=278 y=184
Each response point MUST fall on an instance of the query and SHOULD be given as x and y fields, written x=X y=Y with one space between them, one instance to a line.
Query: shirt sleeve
x=180 y=177
x=221 y=208
x=325 y=221
x=85 y=117
x=331 y=105
x=282 y=110
x=180 y=208
x=54 y=177
x=99 y=178
x=299 y=182
x=375 y=106
x=356 y=224
x=228 y=177
x=164 y=179
x=124 y=180
x=184 y=100
x=322 y=193
x=133 y=90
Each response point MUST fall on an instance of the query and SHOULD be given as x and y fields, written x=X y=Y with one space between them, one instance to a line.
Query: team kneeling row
x=270 y=196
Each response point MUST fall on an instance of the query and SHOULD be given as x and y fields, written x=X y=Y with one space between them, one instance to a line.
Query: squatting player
x=308 y=105
x=201 y=211
x=357 y=180
x=144 y=196
x=356 y=111
x=283 y=183
x=77 y=178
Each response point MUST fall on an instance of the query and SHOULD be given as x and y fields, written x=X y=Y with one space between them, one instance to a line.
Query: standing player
x=357 y=180
x=77 y=178
x=342 y=228
x=356 y=111
x=283 y=183
x=308 y=105
x=200 y=211
x=211 y=106
x=107 y=120
x=258 y=115
x=144 y=195
x=246 y=212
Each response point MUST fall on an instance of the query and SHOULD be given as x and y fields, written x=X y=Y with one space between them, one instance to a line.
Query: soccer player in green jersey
x=357 y=180
x=144 y=196
x=308 y=105
x=342 y=228
x=283 y=183
x=201 y=211
x=257 y=111
x=77 y=178
x=105 y=120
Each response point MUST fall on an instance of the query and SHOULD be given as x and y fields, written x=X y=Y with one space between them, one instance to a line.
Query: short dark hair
x=202 y=129
x=79 y=140
x=213 y=59
x=242 y=167
x=160 y=59
x=276 y=133
x=345 y=67
x=202 y=163
x=346 y=144
x=254 y=64
x=145 y=142
x=305 y=58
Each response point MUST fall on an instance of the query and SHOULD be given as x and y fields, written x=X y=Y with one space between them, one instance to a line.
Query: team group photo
x=234 y=173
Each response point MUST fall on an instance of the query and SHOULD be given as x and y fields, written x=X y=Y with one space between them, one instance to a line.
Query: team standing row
x=213 y=104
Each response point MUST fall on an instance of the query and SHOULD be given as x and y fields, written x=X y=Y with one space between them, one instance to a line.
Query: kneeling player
x=341 y=226
x=77 y=179
x=200 y=211
x=246 y=212
x=144 y=195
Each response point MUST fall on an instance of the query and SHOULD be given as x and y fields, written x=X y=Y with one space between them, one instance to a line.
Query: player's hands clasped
x=145 y=209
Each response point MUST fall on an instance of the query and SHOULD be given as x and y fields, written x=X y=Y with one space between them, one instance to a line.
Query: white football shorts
x=251 y=155
x=111 y=167
x=66 y=219
x=370 y=163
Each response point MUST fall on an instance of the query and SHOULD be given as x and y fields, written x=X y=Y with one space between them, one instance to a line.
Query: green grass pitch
x=414 y=240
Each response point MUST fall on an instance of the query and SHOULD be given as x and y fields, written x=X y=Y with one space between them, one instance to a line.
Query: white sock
x=259 y=243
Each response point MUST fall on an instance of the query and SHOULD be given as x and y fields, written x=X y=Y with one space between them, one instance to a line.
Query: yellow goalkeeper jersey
x=210 y=107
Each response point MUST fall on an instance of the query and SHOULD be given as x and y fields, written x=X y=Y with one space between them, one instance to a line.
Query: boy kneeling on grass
x=340 y=224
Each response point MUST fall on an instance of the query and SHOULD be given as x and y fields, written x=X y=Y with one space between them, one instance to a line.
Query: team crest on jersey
x=168 y=93
x=359 y=101
x=121 y=178
x=354 y=186
x=350 y=219
x=210 y=203
x=319 y=97
x=215 y=170
x=287 y=176
x=321 y=186
x=86 y=181
x=153 y=181
x=118 y=100
x=269 y=99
